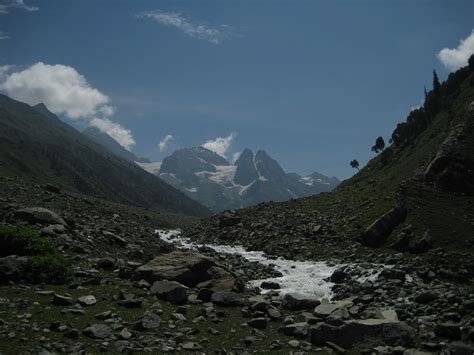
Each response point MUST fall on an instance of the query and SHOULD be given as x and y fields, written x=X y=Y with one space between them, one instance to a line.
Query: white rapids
x=303 y=278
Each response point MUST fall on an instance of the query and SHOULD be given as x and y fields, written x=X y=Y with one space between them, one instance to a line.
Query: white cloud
x=455 y=58
x=164 y=143
x=65 y=92
x=7 y=5
x=122 y=135
x=59 y=87
x=4 y=35
x=220 y=145
x=191 y=29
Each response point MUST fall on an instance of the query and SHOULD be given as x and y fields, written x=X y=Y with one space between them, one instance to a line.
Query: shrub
x=19 y=240
x=53 y=268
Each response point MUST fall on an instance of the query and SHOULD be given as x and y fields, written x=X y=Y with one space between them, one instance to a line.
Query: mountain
x=111 y=144
x=210 y=179
x=36 y=146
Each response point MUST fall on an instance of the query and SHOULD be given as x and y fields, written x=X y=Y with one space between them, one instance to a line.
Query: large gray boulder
x=170 y=291
x=35 y=215
x=12 y=267
x=366 y=333
x=98 y=331
x=377 y=233
x=220 y=280
x=187 y=268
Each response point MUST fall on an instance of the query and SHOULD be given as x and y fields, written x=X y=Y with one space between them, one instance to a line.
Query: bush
x=49 y=268
x=19 y=240
x=44 y=264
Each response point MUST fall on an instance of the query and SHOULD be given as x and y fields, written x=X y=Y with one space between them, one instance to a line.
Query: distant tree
x=470 y=61
x=436 y=84
x=355 y=164
x=379 y=145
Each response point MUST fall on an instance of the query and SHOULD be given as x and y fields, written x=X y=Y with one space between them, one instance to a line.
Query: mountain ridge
x=218 y=184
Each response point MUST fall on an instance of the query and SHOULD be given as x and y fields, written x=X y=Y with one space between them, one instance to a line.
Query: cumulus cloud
x=220 y=145
x=455 y=58
x=164 y=143
x=116 y=131
x=4 y=35
x=188 y=27
x=65 y=92
x=7 y=5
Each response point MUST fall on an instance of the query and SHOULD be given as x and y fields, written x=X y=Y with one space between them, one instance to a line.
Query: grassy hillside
x=377 y=187
x=330 y=224
x=39 y=148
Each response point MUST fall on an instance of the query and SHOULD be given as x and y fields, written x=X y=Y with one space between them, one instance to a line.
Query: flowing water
x=304 y=278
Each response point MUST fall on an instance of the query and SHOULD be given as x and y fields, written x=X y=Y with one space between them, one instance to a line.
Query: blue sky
x=311 y=82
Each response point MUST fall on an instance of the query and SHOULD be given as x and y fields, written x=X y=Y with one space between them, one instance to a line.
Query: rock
x=298 y=303
x=129 y=300
x=59 y=300
x=106 y=263
x=12 y=267
x=377 y=233
x=170 y=291
x=220 y=280
x=228 y=219
x=425 y=297
x=187 y=268
x=326 y=308
x=51 y=188
x=422 y=245
x=88 y=300
x=450 y=331
x=190 y=346
x=392 y=274
x=338 y=276
x=148 y=321
x=125 y=334
x=258 y=323
x=270 y=285
x=205 y=294
x=98 y=331
x=401 y=242
x=39 y=215
x=259 y=306
x=72 y=334
x=296 y=330
x=367 y=333
x=459 y=348
x=273 y=313
x=53 y=230
x=226 y=299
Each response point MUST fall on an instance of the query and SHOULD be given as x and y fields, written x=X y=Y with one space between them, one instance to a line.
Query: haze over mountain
x=210 y=179
x=37 y=146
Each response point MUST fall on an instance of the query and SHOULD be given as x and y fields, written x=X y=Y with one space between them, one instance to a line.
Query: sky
x=313 y=83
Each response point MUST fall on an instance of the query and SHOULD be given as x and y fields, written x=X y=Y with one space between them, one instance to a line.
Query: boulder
x=226 y=299
x=366 y=333
x=148 y=321
x=325 y=308
x=12 y=267
x=187 y=268
x=35 y=215
x=298 y=303
x=448 y=330
x=170 y=291
x=338 y=276
x=377 y=233
x=220 y=280
x=97 y=331
x=88 y=300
